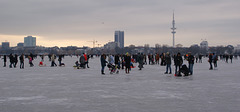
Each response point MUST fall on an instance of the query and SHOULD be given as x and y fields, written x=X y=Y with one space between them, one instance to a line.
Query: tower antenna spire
x=173 y=14
x=173 y=29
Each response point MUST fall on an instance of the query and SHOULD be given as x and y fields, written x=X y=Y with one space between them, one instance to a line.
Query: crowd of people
x=13 y=60
x=165 y=59
x=126 y=61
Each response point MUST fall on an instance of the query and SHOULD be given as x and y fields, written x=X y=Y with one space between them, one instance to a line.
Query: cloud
x=98 y=19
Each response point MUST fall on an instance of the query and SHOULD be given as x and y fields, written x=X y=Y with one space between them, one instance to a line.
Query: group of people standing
x=114 y=63
x=166 y=60
x=178 y=62
x=126 y=61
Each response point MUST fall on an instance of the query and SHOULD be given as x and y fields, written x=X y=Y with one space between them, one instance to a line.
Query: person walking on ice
x=21 y=58
x=4 y=61
x=53 y=57
x=210 y=59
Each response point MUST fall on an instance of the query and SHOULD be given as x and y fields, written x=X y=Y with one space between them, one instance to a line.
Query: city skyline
x=65 y=23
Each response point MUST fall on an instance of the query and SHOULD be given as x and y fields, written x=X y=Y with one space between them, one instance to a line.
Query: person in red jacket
x=86 y=57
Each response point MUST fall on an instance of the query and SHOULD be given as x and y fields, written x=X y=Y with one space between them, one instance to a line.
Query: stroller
x=111 y=67
x=184 y=69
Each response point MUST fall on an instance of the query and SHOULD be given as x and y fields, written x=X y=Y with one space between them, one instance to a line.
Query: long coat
x=127 y=60
x=103 y=61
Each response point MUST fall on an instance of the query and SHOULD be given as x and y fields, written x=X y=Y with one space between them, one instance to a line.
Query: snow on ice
x=65 y=89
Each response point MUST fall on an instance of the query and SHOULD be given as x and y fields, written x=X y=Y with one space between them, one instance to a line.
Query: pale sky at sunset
x=74 y=22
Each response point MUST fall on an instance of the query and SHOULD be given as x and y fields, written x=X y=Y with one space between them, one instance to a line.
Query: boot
x=103 y=72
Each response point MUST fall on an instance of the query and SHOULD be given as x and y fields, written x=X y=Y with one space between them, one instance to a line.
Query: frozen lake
x=64 y=89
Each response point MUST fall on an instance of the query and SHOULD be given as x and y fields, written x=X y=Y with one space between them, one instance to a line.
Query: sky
x=77 y=22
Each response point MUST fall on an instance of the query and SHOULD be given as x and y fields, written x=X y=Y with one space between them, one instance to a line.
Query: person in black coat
x=11 y=60
x=163 y=62
x=210 y=60
x=103 y=63
x=231 y=57
x=127 y=63
x=117 y=62
x=15 y=60
x=21 y=58
x=140 y=61
x=178 y=62
x=60 y=60
x=227 y=57
x=5 y=60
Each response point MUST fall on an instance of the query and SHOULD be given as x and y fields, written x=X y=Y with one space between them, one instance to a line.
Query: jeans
x=168 y=66
x=176 y=70
x=21 y=65
x=210 y=65
x=215 y=64
x=102 y=70
x=190 y=68
x=60 y=62
x=10 y=66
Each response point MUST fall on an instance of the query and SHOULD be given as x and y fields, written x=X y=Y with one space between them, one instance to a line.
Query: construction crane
x=94 y=42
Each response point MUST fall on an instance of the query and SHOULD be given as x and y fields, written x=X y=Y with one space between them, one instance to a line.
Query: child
x=77 y=65
x=30 y=61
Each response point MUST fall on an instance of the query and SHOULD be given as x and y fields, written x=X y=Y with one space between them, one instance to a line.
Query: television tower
x=173 y=30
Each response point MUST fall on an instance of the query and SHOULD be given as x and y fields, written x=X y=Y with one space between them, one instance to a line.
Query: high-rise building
x=5 y=45
x=119 y=38
x=29 y=41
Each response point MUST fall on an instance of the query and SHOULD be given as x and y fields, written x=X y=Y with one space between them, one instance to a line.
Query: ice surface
x=65 y=89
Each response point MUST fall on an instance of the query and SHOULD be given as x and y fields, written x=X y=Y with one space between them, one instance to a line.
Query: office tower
x=29 y=41
x=119 y=38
